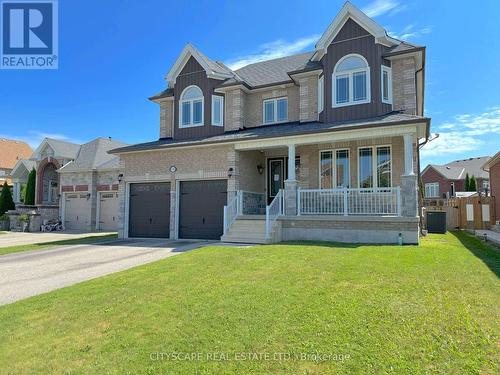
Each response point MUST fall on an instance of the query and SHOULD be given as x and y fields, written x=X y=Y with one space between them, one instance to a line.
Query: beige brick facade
x=166 y=118
x=308 y=102
x=403 y=85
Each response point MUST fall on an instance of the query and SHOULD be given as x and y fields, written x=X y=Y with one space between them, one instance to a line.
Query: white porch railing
x=273 y=211
x=231 y=211
x=341 y=201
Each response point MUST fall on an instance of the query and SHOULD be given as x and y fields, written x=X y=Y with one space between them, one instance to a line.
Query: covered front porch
x=354 y=190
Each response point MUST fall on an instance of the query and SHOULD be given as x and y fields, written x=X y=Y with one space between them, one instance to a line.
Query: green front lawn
x=52 y=244
x=362 y=309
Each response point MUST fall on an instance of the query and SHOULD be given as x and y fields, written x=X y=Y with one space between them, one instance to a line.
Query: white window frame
x=334 y=166
x=374 y=166
x=275 y=104
x=350 y=74
x=321 y=94
x=431 y=185
x=388 y=70
x=221 y=105
x=181 y=102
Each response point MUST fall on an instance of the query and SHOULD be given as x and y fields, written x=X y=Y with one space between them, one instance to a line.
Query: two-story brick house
x=321 y=145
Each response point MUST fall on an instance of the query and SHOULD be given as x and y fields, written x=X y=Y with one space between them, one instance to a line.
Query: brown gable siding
x=352 y=38
x=193 y=74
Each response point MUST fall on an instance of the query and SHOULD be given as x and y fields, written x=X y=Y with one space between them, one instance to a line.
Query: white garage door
x=76 y=212
x=108 y=212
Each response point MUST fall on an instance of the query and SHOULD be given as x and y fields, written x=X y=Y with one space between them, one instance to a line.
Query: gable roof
x=23 y=166
x=491 y=162
x=213 y=69
x=64 y=149
x=350 y=11
x=458 y=169
x=11 y=151
x=94 y=156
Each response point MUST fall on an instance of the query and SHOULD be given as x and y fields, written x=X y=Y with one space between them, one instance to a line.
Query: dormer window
x=191 y=107
x=351 y=81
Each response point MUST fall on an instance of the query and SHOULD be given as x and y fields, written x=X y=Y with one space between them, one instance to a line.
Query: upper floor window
x=191 y=107
x=275 y=110
x=217 y=110
x=321 y=93
x=386 y=85
x=351 y=81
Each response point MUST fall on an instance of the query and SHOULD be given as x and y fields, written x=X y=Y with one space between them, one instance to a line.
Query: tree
x=467 y=182
x=29 y=198
x=472 y=184
x=6 y=201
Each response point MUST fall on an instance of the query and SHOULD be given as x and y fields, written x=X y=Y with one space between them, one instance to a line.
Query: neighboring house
x=85 y=176
x=89 y=187
x=492 y=166
x=321 y=145
x=11 y=151
x=444 y=181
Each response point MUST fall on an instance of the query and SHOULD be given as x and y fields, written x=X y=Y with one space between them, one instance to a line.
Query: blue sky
x=114 y=54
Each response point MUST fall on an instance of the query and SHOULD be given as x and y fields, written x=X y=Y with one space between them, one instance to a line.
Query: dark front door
x=276 y=175
x=201 y=209
x=149 y=210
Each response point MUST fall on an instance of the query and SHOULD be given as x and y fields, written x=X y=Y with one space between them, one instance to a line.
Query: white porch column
x=291 y=184
x=408 y=151
x=291 y=162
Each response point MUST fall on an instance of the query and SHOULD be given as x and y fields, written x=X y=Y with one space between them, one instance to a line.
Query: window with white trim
x=191 y=107
x=386 y=84
x=217 y=110
x=374 y=167
x=321 y=93
x=275 y=110
x=351 y=81
x=334 y=169
x=432 y=190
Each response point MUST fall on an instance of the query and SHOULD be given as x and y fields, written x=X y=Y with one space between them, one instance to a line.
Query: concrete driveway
x=20 y=238
x=29 y=273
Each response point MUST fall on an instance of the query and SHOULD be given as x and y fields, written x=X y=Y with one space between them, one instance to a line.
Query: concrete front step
x=248 y=229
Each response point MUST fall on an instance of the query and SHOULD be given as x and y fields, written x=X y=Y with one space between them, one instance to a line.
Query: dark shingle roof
x=273 y=71
x=278 y=130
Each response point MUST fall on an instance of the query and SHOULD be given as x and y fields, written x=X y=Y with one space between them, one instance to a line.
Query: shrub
x=29 y=198
x=24 y=217
x=4 y=217
x=6 y=201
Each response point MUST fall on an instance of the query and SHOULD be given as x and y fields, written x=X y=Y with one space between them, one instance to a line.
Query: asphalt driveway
x=29 y=273
x=26 y=238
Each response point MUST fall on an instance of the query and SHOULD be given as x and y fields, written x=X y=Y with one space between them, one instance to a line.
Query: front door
x=276 y=175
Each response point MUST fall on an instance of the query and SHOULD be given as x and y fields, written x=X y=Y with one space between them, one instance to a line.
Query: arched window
x=351 y=81
x=191 y=107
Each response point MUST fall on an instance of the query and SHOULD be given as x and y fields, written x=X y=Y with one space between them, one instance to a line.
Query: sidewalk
x=491 y=236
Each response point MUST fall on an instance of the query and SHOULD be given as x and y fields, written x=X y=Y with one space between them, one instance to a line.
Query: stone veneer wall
x=403 y=85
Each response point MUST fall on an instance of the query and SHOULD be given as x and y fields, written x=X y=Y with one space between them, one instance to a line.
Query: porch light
x=260 y=169
x=120 y=177
x=230 y=172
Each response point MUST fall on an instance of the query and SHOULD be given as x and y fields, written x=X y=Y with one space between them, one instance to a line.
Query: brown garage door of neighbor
x=201 y=209
x=149 y=210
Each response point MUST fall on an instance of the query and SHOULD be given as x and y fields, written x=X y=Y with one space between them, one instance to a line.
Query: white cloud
x=409 y=32
x=273 y=50
x=461 y=134
x=34 y=138
x=379 y=7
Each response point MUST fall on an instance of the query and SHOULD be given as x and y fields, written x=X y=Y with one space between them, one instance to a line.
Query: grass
x=52 y=244
x=385 y=309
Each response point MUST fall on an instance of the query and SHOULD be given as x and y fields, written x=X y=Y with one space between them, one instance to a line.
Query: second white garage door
x=76 y=212
x=108 y=212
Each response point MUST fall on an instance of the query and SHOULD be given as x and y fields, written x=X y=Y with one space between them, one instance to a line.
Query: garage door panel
x=201 y=209
x=108 y=211
x=149 y=210
x=76 y=212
